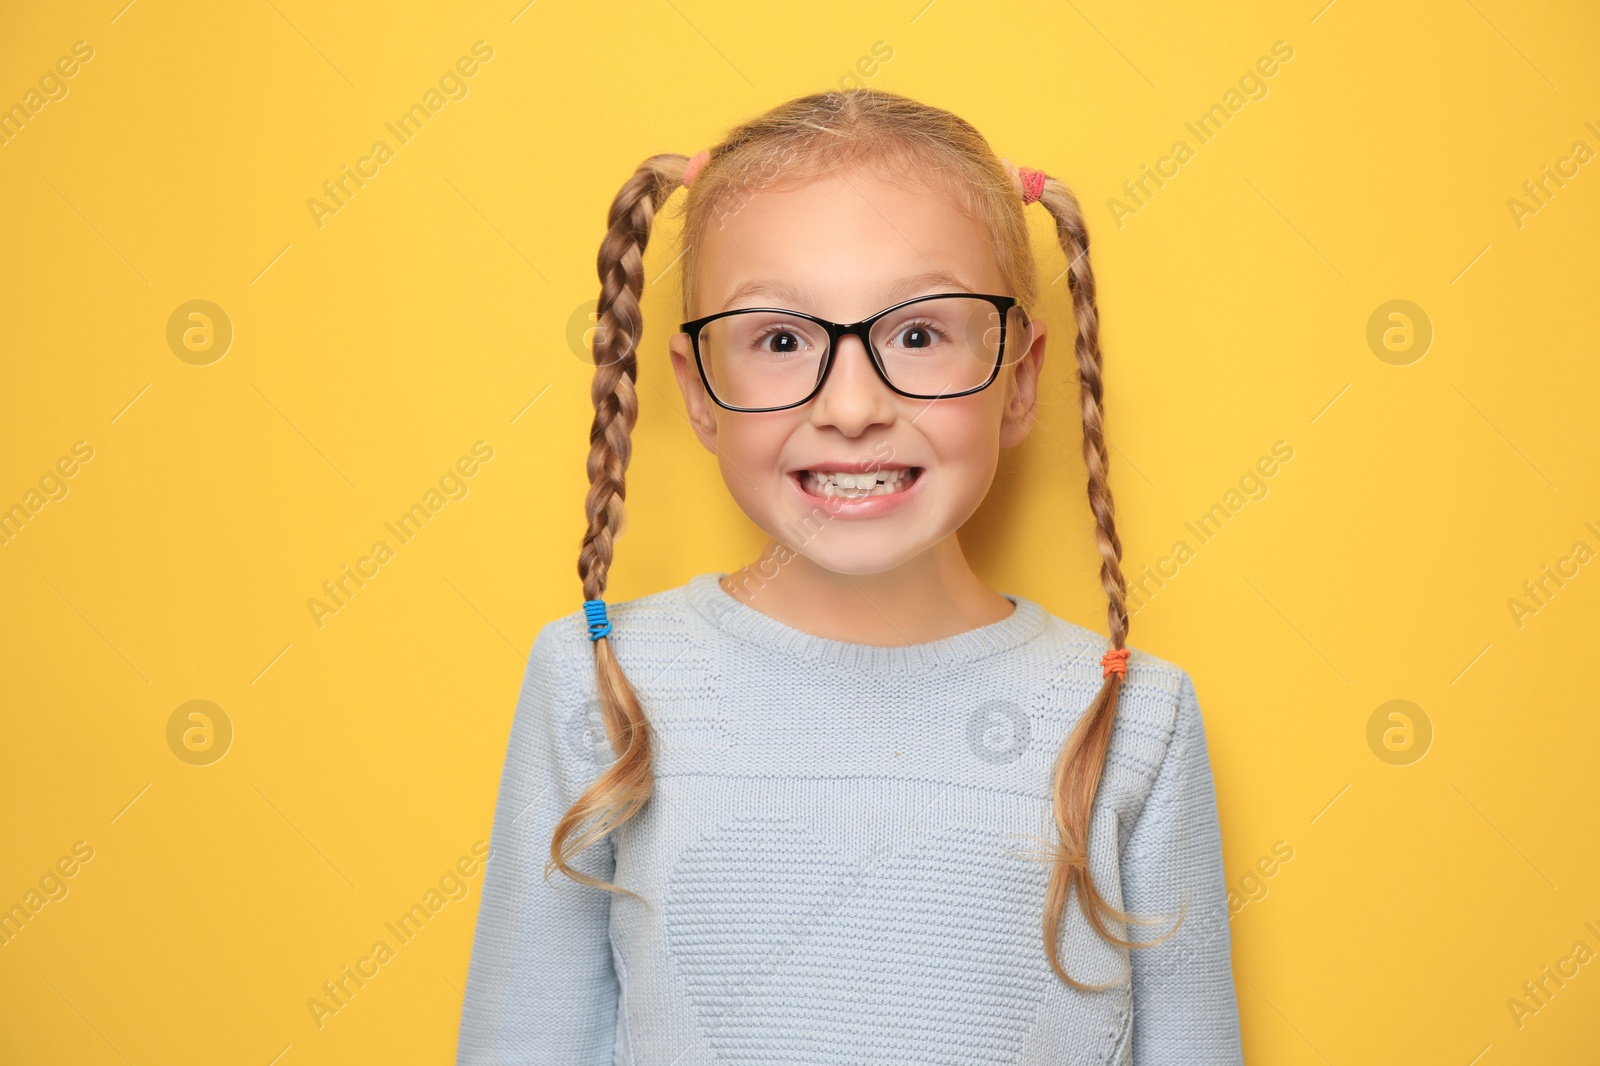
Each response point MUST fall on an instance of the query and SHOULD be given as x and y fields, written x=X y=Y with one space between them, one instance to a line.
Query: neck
x=930 y=597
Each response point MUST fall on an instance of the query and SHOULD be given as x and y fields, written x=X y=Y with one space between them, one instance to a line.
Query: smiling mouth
x=858 y=486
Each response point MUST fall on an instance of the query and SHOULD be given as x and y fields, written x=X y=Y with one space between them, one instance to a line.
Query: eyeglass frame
x=837 y=331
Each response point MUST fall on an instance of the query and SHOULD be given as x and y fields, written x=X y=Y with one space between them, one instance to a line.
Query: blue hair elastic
x=595 y=611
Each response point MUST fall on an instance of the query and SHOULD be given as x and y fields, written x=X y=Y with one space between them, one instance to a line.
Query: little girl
x=849 y=804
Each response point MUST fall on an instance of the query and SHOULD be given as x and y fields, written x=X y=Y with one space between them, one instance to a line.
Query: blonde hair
x=790 y=144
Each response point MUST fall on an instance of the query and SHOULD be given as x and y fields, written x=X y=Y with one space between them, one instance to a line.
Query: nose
x=854 y=398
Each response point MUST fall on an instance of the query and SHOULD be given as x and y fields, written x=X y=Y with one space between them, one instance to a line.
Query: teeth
x=853 y=486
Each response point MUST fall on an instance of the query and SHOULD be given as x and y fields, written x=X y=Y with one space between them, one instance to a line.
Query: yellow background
x=428 y=313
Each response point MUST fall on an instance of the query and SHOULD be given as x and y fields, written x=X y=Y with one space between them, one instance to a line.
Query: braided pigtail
x=626 y=785
x=1082 y=759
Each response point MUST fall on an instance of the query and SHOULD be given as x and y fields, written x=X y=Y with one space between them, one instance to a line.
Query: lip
x=863 y=466
x=866 y=506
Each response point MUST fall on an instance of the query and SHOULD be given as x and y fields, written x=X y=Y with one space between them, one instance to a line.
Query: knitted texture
x=841 y=862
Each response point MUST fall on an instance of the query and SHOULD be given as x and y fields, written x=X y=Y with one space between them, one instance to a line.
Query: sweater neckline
x=743 y=622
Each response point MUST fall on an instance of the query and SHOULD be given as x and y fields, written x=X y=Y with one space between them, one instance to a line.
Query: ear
x=1022 y=391
x=702 y=411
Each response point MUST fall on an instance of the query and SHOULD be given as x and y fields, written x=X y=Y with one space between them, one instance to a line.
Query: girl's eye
x=780 y=340
x=917 y=335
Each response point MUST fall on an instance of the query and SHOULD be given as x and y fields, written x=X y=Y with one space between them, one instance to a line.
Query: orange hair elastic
x=1115 y=660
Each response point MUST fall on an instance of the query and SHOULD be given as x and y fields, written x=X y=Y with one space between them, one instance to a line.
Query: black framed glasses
x=945 y=345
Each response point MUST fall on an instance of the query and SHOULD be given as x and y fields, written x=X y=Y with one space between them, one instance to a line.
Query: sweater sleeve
x=541 y=987
x=1184 y=1006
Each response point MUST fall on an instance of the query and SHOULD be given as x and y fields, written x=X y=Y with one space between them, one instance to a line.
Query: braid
x=623 y=788
x=1082 y=759
x=1075 y=241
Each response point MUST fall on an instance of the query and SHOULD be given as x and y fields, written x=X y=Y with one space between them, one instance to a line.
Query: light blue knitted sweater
x=835 y=857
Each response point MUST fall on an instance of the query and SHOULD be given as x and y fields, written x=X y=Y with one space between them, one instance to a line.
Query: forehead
x=843 y=245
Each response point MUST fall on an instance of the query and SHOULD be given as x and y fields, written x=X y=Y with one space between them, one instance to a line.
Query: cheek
x=964 y=436
x=750 y=449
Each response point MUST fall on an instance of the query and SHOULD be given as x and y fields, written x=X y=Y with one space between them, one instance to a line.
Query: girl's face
x=844 y=247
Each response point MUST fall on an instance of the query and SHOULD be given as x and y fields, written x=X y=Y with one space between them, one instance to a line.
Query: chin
x=858 y=556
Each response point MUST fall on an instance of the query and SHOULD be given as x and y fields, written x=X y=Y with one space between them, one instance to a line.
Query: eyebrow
x=902 y=289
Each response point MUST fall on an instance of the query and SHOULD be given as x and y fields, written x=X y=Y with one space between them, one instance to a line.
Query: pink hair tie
x=1032 y=183
x=692 y=167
